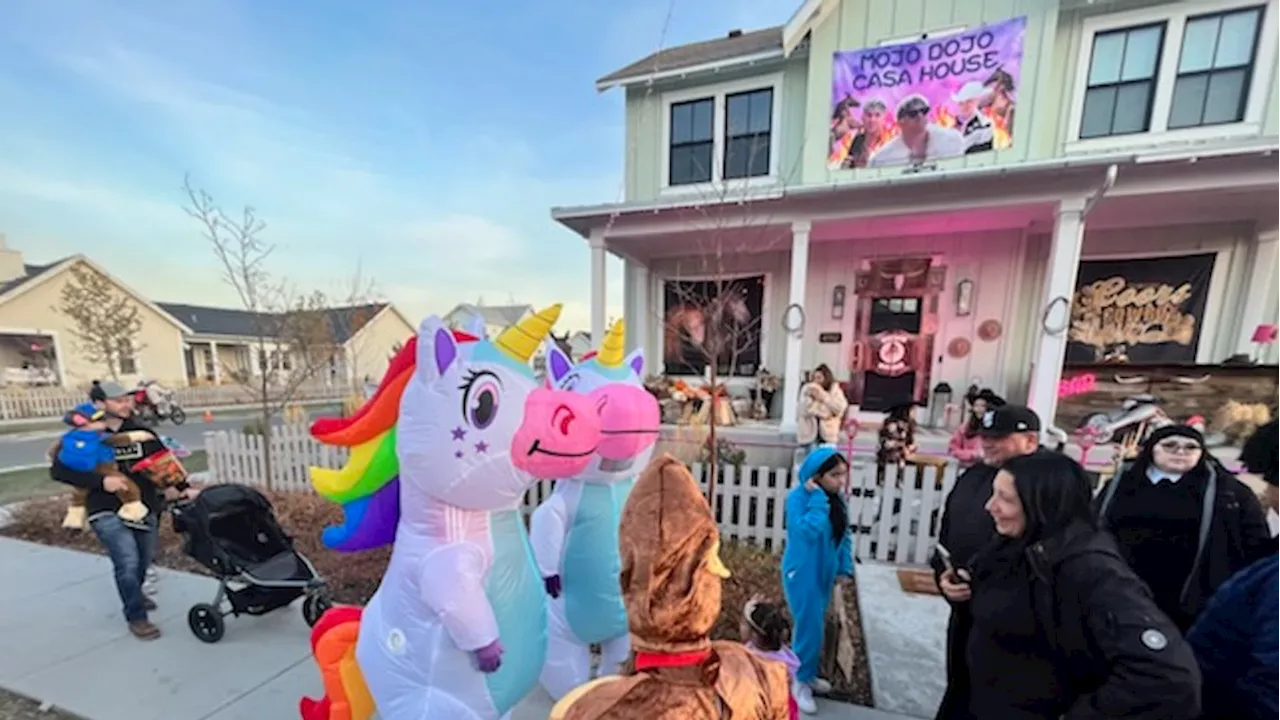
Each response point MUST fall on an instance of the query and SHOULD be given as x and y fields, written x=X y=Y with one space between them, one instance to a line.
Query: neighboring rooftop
x=31 y=273
x=503 y=315
x=229 y=322
x=736 y=44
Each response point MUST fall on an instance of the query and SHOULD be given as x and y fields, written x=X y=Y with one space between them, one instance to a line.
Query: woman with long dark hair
x=1061 y=625
x=822 y=409
x=1183 y=522
x=819 y=548
x=966 y=442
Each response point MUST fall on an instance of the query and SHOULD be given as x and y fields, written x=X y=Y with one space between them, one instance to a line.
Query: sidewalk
x=65 y=643
x=37 y=423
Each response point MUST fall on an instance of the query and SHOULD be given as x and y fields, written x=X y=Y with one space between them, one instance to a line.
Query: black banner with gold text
x=1139 y=311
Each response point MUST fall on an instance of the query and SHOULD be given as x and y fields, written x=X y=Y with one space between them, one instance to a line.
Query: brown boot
x=144 y=630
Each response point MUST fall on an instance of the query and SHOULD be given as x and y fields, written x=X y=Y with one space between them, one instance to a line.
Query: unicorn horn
x=521 y=340
x=612 y=347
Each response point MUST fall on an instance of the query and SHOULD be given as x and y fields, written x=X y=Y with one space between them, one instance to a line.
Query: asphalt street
x=30 y=447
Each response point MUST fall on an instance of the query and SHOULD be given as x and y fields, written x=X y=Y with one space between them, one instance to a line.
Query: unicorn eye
x=480 y=400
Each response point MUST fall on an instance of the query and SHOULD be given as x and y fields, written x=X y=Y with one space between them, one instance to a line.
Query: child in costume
x=671 y=584
x=766 y=630
x=83 y=448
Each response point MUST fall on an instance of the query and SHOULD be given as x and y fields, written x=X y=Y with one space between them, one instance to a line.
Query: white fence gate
x=894 y=513
x=39 y=403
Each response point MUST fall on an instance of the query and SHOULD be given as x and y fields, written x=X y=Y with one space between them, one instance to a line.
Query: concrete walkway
x=65 y=643
x=906 y=636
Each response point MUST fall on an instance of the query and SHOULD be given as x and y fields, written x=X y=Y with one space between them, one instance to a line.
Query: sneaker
x=820 y=686
x=803 y=695
x=144 y=630
x=149 y=586
x=149 y=604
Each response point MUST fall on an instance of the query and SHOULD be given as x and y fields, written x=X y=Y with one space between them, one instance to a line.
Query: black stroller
x=232 y=530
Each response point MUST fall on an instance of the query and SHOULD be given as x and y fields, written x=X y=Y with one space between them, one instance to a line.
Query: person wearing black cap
x=129 y=545
x=1182 y=521
x=1007 y=431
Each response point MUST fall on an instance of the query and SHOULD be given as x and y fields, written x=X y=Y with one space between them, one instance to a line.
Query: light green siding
x=1271 y=116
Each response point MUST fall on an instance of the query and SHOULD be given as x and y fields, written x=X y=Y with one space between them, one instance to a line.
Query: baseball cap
x=113 y=389
x=1009 y=419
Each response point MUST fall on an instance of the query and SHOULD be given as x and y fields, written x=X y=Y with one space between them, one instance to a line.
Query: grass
x=28 y=483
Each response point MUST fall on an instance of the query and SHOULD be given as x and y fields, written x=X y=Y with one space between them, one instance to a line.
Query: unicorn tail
x=333 y=644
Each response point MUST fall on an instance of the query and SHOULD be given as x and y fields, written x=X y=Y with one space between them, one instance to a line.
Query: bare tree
x=293 y=333
x=105 y=320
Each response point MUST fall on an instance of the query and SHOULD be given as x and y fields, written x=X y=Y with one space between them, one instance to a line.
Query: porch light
x=964 y=298
x=837 y=302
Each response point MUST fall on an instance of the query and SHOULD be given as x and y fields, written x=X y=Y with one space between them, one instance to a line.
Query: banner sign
x=1146 y=311
x=920 y=102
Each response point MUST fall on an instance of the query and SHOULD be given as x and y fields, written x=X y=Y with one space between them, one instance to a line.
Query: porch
x=30 y=358
x=963 y=278
x=223 y=361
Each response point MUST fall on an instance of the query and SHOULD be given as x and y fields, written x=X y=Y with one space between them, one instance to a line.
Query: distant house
x=495 y=318
x=579 y=343
x=38 y=345
x=224 y=344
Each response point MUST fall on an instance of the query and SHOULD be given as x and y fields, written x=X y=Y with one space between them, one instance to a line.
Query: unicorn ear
x=557 y=362
x=636 y=362
x=437 y=349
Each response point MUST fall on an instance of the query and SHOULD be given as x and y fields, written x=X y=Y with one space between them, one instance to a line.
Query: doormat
x=917 y=580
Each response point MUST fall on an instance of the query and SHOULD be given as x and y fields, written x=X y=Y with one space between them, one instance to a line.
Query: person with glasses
x=919 y=141
x=1182 y=521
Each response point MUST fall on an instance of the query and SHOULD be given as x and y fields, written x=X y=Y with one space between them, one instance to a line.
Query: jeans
x=131 y=552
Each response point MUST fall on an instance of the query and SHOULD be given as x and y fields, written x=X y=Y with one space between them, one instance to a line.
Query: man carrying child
x=130 y=544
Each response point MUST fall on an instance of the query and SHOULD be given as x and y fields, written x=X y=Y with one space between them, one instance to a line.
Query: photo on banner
x=920 y=102
x=1139 y=310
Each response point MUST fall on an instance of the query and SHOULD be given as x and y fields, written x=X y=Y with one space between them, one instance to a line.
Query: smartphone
x=945 y=556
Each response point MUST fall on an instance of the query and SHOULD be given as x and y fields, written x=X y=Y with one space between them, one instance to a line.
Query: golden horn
x=521 y=340
x=612 y=347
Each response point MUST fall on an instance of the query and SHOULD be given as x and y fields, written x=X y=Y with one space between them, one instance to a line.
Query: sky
x=421 y=143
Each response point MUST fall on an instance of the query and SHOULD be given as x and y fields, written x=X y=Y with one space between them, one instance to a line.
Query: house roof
x=736 y=44
x=31 y=273
x=229 y=322
x=504 y=315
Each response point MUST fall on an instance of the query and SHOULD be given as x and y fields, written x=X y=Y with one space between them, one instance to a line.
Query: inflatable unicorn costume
x=457 y=627
x=575 y=531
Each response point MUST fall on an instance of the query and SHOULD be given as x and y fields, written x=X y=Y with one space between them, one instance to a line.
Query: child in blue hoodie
x=84 y=448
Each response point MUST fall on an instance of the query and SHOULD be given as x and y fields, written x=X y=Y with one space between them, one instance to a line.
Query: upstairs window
x=748 y=127
x=1121 y=83
x=692 y=142
x=1215 y=68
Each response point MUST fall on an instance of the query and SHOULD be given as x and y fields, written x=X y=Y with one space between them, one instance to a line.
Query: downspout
x=1108 y=182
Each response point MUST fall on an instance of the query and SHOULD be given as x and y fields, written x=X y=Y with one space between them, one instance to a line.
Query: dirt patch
x=20 y=707
x=354 y=578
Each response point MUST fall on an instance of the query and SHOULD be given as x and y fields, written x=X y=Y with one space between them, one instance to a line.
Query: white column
x=599 y=297
x=1060 y=282
x=217 y=366
x=1261 y=274
x=791 y=364
x=644 y=316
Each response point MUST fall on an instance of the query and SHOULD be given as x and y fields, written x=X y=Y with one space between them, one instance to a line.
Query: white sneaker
x=820 y=686
x=803 y=695
x=149 y=585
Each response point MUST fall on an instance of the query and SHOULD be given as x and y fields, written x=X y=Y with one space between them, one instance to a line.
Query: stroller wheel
x=314 y=607
x=206 y=622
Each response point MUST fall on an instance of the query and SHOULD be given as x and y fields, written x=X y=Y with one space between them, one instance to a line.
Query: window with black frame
x=1122 y=81
x=748 y=128
x=1215 y=68
x=692 y=142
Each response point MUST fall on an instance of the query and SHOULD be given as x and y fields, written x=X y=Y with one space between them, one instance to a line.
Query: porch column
x=791 y=365
x=1262 y=273
x=1060 y=282
x=599 y=297
x=213 y=360
x=644 y=313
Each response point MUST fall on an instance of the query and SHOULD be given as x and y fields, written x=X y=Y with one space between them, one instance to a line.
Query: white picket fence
x=37 y=403
x=894 y=513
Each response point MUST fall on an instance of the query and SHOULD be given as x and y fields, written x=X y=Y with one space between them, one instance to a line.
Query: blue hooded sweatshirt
x=84 y=450
x=812 y=560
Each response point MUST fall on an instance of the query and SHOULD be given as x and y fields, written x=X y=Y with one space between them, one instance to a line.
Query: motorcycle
x=154 y=404
x=1138 y=416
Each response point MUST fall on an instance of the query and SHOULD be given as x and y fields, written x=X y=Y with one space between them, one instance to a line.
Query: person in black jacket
x=1183 y=522
x=129 y=545
x=1007 y=431
x=1061 y=625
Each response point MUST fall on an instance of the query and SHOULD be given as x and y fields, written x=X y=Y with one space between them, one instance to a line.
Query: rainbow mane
x=368 y=486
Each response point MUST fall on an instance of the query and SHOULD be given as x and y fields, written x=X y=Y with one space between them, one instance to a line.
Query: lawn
x=30 y=483
x=354 y=578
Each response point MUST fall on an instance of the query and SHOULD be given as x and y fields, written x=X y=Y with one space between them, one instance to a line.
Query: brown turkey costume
x=671 y=575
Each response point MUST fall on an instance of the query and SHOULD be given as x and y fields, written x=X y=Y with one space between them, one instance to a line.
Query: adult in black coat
x=1062 y=627
x=1007 y=431
x=1183 y=522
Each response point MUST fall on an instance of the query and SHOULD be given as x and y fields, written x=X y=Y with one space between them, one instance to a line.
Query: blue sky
x=423 y=141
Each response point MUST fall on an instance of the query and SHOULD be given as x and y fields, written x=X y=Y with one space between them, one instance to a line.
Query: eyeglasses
x=913 y=113
x=1177 y=447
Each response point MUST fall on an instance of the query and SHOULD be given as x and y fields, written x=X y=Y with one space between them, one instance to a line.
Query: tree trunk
x=714 y=463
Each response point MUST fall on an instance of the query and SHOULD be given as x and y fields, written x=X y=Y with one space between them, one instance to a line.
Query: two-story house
x=856 y=181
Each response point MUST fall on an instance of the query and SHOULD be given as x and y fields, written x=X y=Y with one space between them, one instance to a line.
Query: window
x=125 y=357
x=1215 y=67
x=1121 y=82
x=692 y=142
x=748 y=126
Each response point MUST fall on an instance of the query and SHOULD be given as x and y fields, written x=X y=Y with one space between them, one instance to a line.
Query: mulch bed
x=19 y=707
x=354 y=578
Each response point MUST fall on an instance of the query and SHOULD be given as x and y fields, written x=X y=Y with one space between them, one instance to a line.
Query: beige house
x=38 y=345
x=495 y=318
x=178 y=344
